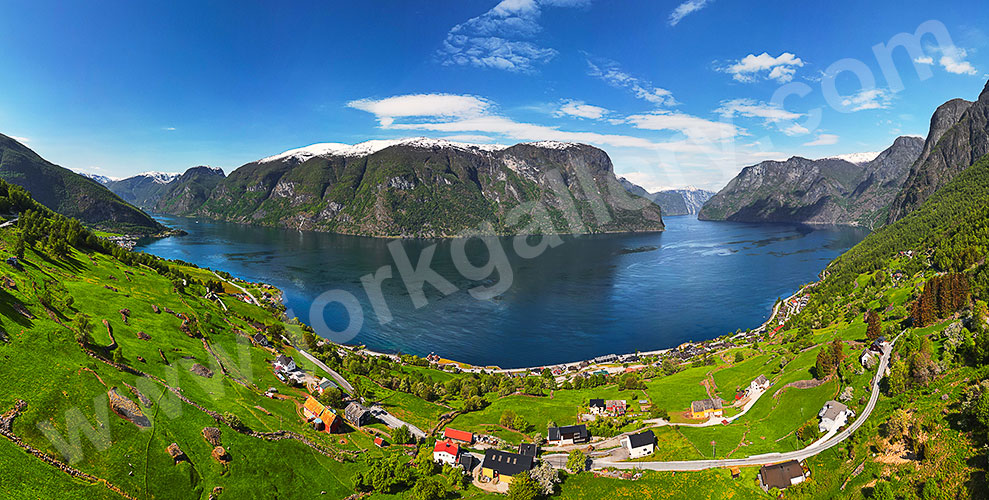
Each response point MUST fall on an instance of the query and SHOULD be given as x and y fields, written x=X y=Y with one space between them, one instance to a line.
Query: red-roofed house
x=446 y=452
x=379 y=442
x=461 y=436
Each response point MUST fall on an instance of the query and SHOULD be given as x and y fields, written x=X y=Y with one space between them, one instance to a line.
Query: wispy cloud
x=685 y=9
x=924 y=60
x=580 y=109
x=695 y=128
x=169 y=129
x=752 y=67
x=823 y=140
x=770 y=113
x=612 y=73
x=953 y=61
x=875 y=98
x=503 y=37
x=23 y=140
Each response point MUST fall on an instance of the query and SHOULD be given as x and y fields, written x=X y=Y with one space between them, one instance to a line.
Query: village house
x=761 y=383
x=529 y=449
x=834 y=415
x=320 y=417
x=459 y=436
x=640 y=445
x=261 y=340
x=615 y=407
x=596 y=406
x=608 y=358
x=567 y=435
x=706 y=408
x=324 y=385
x=503 y=466
x=781 y=476
x=284 y=363
x=358 y=415
x=446 y=452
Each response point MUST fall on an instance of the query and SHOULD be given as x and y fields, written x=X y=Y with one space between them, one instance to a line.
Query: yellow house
x=706 y=408
x=502 y=465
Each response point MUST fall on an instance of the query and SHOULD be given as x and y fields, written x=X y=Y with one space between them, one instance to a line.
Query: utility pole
x=714 y=449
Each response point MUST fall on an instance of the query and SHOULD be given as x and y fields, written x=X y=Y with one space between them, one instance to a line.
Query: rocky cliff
x=425 y=188
x=958 y=137
x=672 y=201
x=825 y=191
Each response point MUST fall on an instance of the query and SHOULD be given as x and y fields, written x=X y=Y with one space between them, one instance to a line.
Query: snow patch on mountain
x=856 y=158
x=160 y=177
x=373 y=146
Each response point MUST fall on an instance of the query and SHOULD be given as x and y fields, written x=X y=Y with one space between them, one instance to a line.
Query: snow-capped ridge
x=160 y=177
x=856 y=158
x=373 y=146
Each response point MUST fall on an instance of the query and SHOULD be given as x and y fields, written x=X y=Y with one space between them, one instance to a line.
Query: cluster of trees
x=424 y=480
x=829 y=360
x=610 y=427
x=916 y=366
x=514 y=421
x=943 y=296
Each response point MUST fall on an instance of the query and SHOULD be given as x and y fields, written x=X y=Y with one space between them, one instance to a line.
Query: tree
x=427 y=488
x=576 y=462
x=233 y=421
x=898 y=378
x=874 y=330
x=402 y=435
x=519 y=423
x=981 y=410
x=523 y=487
x=118 y=356
x=825 y=366
x=546 y=478
x=739 y=357
x=507 y=419
x=931 y=490
x=882 y=491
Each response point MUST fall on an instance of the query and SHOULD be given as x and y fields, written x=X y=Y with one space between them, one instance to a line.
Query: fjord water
x=589 y=296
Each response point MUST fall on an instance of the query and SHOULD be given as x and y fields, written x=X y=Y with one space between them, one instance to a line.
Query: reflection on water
x=592 y=295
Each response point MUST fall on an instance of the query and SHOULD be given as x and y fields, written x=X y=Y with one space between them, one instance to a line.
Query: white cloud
x=823 y=140
x=868 y=99
x=581 y=109
x=686 y=8
x=953 y=61
x=924 y=60
x=795 y=129
x=423 y=105
x=752 y=109
x=503 y=37
x=611 y=73
x=695 y=128
x=780 y=68
x=23 y=140
x=168 y=129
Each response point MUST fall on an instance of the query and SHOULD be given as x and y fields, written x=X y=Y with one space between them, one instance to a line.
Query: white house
x=639 y=445
x=834 y=415
x=285 y=363
x=761 y=383
x=446 y=452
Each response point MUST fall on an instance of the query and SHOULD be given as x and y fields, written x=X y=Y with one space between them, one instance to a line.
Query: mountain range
x=412 y=188
x=69 y=193
x=686 y=201
x=825 y=191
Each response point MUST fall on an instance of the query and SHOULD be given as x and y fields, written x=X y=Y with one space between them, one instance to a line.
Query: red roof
x=378 y=441
x=464 y=436
x=448 y=447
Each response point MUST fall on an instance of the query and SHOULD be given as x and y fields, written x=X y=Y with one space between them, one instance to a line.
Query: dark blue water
x=588 y=296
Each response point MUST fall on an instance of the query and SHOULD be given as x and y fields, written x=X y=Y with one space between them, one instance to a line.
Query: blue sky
x=679 y=93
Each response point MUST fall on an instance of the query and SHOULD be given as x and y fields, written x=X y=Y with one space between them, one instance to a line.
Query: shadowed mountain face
x=420 y=188
x=825 y=191
x=958 y=137
x=69 y=193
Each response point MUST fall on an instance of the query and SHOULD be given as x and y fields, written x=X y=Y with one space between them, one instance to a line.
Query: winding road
x=560 y=461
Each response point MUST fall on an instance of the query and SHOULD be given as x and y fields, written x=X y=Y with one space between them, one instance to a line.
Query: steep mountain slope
x=142 y=190
x=188 y=191
x=69 y=193
x=959 y=135
x=426 y=188
x=672 y=201
x=825 y=191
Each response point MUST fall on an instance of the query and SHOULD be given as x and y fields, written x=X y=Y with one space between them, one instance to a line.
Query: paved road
x=559 y=461
x=253 y=300
x=336 y=376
